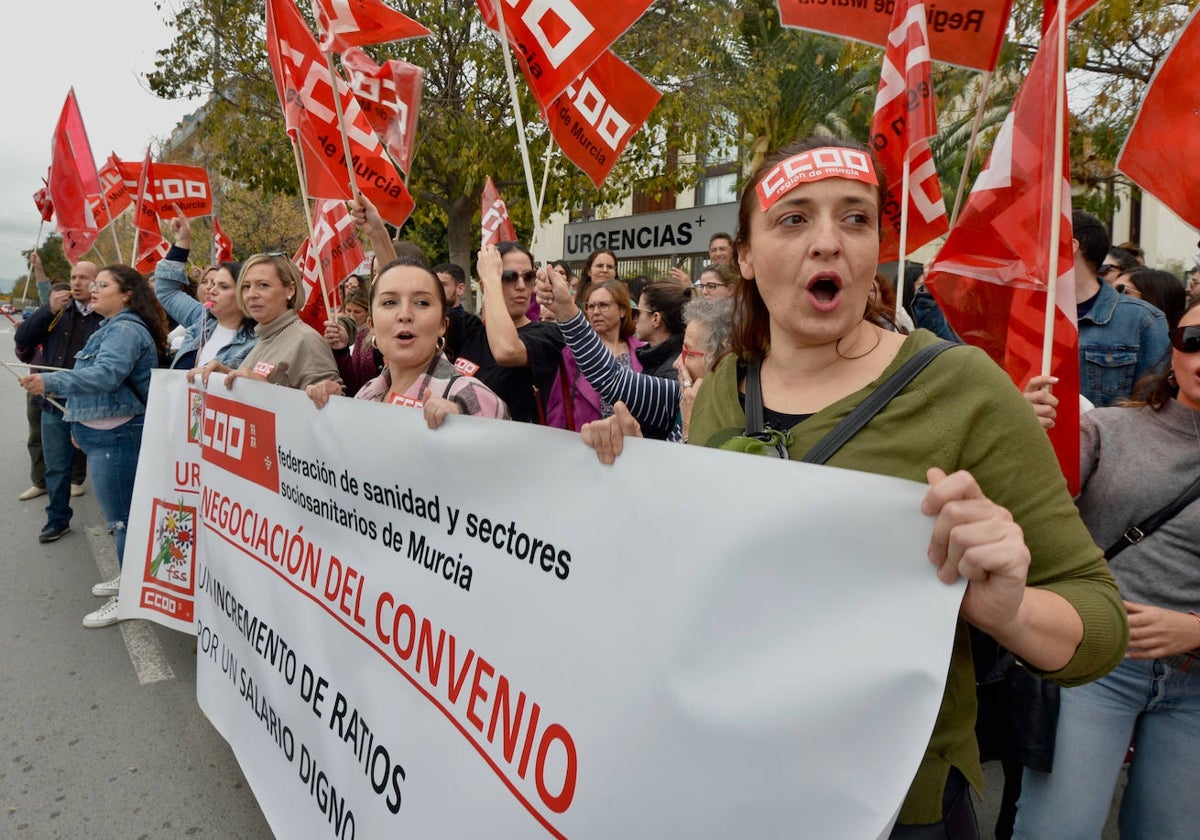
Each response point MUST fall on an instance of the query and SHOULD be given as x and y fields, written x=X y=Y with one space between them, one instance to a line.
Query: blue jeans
x=1156 y=705
x=112 y=460
x=59 y=453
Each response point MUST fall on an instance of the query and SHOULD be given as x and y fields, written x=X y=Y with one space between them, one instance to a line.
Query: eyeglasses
x=510 y=275
x=1127 y=289
x=686 y=353
x=1107 y=268
x=599 y=306
x=1186 y=339
x=96 y=286
x=708 y=287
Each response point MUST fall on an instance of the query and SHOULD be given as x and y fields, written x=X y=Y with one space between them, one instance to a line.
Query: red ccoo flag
x=905 y=117
x=557 y=42
x=72 y=179
x=1164 y=144
x=599 y=112
x=495 y=226
x=339 y=251
x=966 y=32
x=300 y=70
x=991 y=276
x=356 y=23
x=151 y=247
x=390 y=96
x=222 y=244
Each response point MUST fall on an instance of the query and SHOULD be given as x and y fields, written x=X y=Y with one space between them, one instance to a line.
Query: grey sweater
x=1135 y=462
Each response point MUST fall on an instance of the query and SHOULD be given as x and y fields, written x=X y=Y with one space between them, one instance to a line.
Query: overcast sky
x=104 y=50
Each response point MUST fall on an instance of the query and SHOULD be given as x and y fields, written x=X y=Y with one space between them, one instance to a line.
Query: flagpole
x=545 y=176
x=299 y=155
x=904 y=179
x=108 y=213
x=984 y=91
x=512 y=91
x=1060 y=104
x=46 y=397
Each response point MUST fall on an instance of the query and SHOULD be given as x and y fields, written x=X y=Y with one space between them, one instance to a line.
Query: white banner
x=482 y=632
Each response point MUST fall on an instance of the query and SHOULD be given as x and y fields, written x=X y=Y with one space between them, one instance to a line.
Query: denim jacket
x=111 y=377
x=1121 y=339
x=170 y=279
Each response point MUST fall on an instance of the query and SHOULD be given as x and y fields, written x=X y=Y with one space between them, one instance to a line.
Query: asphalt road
x=100 y=733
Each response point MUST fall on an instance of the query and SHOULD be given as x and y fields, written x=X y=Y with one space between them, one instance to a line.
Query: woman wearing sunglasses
x=1137 y=460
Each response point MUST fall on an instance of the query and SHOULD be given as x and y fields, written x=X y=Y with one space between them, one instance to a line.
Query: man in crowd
x=1121 y=338
x=720 y=249
x=454 y=283
x=60 y=328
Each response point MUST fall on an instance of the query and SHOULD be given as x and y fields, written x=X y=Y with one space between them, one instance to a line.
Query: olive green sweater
x=962 y=412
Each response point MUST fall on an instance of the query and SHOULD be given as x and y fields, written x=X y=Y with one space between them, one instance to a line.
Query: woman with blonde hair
x=289 y=352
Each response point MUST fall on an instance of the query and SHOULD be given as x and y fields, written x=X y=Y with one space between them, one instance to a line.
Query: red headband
x=815 y=165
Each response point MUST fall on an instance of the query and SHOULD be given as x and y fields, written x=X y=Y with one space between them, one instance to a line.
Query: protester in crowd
x=33 y=405
x=409 y=320
x=358 y=361
x=506 y=350
x=1121 y=339
x=106 y=400
x=513 y=355
x=204 y=282
x=1193 y=283
x=1161 y=289
x=1003 y=518
x=454 y=283
x=721 y=249
x=217 y=328
x=717 y=282
x=1137 y=460
x=288 y=352
x=599 y=267
x=1117 y=261
x=652 y=403
x=60 y=328
x=658 y=322
x=573 y=401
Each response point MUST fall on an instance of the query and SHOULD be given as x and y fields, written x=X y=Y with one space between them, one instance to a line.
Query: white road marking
x=145 y=652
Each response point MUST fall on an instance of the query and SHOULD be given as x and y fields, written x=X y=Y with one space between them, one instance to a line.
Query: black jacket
x=60 y=335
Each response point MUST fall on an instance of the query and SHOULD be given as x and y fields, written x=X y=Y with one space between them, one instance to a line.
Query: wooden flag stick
x=984 y=92
x=46 y=397
x=1056 y=197
x=308 y=217
x=516 y=104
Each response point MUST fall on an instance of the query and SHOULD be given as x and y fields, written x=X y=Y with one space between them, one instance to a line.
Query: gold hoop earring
x=441 y=344
x=1171 y=380
x=371 y=341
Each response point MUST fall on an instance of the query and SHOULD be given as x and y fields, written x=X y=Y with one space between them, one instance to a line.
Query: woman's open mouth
x=824 y=291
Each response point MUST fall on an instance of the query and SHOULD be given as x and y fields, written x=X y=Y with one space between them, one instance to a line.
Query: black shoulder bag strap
x=754 y=400
x=872 y=405
x=1136 y=533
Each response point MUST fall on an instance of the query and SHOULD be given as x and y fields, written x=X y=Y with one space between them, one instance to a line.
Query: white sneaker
x=77 y=490
x=32 y=493
x=103 y=617
x=108 y=588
